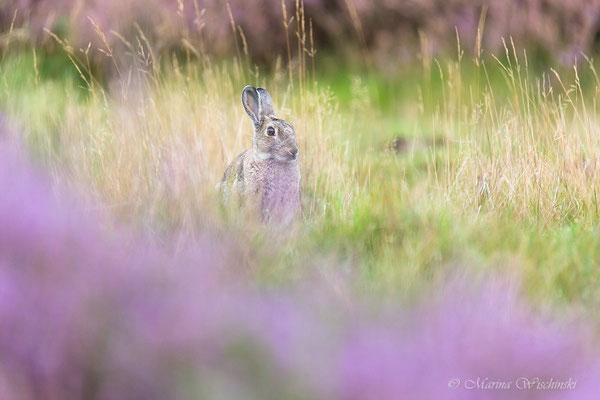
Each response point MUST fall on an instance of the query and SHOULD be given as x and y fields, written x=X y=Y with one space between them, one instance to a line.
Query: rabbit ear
x=251 y=102
x=257 y=103
x=266 y=105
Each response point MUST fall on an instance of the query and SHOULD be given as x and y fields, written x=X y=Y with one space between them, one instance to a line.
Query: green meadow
x=486 y=165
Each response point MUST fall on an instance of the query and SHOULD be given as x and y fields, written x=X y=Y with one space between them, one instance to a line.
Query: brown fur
x=266 y=178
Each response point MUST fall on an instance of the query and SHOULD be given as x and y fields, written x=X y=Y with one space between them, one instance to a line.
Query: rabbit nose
x=294 y=151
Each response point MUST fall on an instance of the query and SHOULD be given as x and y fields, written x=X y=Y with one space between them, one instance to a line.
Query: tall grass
x=531 y=153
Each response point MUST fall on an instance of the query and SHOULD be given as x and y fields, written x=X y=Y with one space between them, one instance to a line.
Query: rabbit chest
x=276 y=188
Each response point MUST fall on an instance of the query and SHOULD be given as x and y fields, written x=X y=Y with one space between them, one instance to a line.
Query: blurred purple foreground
x=90 y=315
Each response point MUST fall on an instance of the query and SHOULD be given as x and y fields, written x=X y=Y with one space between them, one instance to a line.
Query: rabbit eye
x=271 y=131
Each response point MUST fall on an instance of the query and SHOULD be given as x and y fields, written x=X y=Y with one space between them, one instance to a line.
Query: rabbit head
x=273 y=138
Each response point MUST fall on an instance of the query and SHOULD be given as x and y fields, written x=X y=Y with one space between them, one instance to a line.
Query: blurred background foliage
x=383 y=32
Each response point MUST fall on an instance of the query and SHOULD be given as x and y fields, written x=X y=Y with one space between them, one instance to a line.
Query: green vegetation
x=471 y=164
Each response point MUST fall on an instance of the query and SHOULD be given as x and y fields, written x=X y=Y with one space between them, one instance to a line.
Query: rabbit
x=266 y=178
